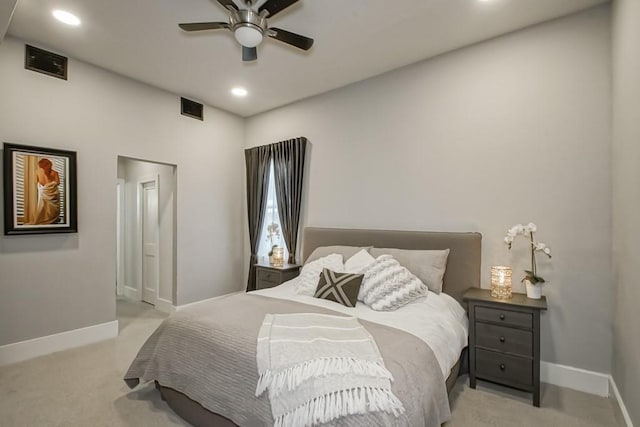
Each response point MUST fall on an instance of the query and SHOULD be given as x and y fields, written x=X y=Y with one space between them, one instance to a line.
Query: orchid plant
x=529 y=229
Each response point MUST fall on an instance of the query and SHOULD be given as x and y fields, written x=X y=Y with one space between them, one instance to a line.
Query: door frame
x=120 y=236
x=140 y=250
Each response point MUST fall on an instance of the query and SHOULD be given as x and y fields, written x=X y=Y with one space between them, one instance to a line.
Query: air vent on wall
x=45 y=62
x=191 y=108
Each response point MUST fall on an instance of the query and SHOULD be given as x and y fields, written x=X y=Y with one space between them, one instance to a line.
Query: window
x=271 y=233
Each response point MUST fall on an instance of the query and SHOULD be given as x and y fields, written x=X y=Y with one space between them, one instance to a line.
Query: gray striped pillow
x=342 y=288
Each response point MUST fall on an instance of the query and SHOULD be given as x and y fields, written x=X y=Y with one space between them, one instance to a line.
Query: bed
x=184 y=356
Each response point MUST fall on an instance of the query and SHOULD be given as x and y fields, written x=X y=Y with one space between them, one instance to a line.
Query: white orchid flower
x=516 y=229
x=528 y=231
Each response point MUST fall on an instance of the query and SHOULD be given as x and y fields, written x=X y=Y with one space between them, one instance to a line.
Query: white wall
x=515 y=129
x=132 y=171
x=626 y=201
x=54 y=283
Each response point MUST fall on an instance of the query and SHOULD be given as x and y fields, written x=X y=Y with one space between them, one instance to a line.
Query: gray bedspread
x=208 y=352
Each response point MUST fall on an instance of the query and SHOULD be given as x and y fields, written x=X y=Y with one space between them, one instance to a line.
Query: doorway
x=146 y=255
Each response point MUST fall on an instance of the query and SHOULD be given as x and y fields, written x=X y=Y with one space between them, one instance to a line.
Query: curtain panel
x=257 y=163
x=288 y=168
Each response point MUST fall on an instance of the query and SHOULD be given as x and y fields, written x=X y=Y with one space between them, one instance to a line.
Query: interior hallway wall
x=56 y=283
x=132 y=171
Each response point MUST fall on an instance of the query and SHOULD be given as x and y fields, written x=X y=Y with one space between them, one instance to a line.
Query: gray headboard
x=463 y=264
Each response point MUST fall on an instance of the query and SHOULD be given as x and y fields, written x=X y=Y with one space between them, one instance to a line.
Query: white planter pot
x=534 y=291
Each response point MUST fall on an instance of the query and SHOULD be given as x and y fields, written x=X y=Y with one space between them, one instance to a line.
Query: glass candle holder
x=501 y=282
x=278 y=257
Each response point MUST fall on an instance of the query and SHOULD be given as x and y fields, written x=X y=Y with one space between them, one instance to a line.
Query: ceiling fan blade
x=249 y=53
x=301 y=42
x=228 y=4
x=201 y=26
x=276 y=6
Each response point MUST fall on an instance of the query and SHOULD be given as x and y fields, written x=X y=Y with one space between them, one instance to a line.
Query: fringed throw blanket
x=320 y=367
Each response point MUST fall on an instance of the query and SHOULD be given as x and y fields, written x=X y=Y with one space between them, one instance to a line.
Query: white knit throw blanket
x=319 y=367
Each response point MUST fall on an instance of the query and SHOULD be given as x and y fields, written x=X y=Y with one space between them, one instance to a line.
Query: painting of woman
x=48 y=210
x=40 y=190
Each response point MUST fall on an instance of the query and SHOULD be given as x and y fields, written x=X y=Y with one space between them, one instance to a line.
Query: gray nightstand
x=504 y=340
x=268 y=276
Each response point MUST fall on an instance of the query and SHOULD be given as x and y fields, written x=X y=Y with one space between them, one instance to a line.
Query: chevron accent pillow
x=387 y=285
x=342 y=288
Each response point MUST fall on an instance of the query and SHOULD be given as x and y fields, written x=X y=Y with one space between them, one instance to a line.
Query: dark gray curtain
x=288 y=168
x=257 y=161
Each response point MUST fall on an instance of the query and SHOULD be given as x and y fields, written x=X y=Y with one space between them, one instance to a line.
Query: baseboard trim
x=192 y=304
x=618 y=397
x=165 y=306
x=575 y=378
x=29 y=349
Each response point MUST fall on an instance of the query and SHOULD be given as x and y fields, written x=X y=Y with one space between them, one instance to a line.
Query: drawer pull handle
x=502 y=367
x=501 y=339
x=502 y=317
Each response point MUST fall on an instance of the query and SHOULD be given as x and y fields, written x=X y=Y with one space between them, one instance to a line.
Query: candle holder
x=501 y=282
x=278 y=257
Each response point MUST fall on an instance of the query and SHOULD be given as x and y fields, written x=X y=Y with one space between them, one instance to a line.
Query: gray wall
x=132 y=171
x=515 y=129
x=51 y=284
x=626 y=201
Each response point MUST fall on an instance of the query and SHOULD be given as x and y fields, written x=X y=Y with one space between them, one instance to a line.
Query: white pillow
x=428 y=265
x=310 y=273
x=387 y=285
x=359 y=262
x=346 y=251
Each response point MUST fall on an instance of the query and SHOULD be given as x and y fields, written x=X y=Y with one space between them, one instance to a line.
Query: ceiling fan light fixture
x=248 y=35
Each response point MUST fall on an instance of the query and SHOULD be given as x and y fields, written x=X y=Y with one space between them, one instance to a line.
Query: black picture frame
x=30 y=207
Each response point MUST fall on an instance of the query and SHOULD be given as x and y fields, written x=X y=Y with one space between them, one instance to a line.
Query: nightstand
x=268 y=276
x=504 y=340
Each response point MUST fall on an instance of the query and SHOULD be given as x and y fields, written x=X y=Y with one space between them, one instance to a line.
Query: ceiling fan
x=250 y=26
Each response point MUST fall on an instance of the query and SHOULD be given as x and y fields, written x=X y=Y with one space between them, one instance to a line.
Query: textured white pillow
x=310 y=273
x=387 y=285
x=428 y=265
x=359 y=262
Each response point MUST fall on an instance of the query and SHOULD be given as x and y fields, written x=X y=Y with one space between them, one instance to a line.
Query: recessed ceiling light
x=66 y=17
x=239 y=91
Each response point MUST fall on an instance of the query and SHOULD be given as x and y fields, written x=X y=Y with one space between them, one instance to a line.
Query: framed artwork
x=40 y=190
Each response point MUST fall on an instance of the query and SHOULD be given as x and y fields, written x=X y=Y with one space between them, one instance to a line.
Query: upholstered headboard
x=463 y=264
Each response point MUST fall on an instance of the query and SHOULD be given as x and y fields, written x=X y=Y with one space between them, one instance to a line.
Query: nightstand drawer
x=507 y=317
x=268 y=276
x=505 y=369
x=504 y=339
x=261 y=284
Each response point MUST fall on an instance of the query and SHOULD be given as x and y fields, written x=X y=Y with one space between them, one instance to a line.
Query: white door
x=149 y=242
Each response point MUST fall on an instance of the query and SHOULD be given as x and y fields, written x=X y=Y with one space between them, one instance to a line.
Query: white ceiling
x=354 y=40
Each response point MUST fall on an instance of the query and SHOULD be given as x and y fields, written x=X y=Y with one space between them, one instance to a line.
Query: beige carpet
x=84 y=387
